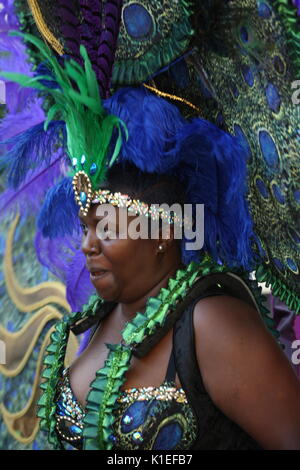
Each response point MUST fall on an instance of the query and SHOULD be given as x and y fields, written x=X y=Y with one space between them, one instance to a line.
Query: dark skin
x=243 y=369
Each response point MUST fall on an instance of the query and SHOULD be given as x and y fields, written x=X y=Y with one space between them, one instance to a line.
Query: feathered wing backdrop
x=236 y=61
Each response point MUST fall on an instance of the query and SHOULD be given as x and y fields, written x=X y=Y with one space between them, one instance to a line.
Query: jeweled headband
x=137 y=207
x=85 y=196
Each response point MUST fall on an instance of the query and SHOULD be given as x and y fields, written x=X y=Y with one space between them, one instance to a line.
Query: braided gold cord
x=172 y=97
x=43 y=28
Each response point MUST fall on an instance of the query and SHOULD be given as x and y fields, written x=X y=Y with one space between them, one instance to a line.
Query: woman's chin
x=104 y=289
x=108 y=297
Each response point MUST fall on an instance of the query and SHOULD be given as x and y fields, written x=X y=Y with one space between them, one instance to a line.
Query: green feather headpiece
x=77 y=102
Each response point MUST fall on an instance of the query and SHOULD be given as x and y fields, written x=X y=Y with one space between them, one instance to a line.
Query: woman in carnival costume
x=178 y=354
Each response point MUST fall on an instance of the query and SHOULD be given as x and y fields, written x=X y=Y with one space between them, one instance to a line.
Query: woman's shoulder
x=226 y=311
x=244 y=369
x=228 y=329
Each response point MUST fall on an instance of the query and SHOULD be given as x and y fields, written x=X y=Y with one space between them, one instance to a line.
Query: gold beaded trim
x=43 y=28
x=163 y=393
x=138 y=207
x=64 y=436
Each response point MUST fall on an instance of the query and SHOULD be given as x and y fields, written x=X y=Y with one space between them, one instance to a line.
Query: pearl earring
x=160 y=248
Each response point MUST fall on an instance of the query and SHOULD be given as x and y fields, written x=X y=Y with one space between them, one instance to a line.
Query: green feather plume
x=77 y=102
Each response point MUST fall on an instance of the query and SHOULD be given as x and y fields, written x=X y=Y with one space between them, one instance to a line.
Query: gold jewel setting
x=83 y=191
x=163 y=393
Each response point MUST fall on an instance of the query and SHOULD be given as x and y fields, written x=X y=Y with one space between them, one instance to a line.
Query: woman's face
x=122 y=270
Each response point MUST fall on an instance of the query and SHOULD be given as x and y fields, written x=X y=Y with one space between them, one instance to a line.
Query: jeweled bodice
x=157 y=418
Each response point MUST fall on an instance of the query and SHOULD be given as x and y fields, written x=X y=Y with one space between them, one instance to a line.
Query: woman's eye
x=83 y=228
x=105 y=232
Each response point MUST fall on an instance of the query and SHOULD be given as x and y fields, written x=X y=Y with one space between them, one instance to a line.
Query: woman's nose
x=90 y=244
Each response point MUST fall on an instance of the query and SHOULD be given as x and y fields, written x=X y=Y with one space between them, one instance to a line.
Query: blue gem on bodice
x=75 y=429
x=127 y=419
x=248 y=75
x=135 y=416
x=243 y=140
x=278 y=194
x=112 y=438
x=137 y=437
x=292 y=265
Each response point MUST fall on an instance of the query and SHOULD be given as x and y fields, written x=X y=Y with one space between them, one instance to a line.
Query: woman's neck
x=127 y=311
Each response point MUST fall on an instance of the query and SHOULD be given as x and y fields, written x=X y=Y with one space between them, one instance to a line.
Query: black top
x=215 y=430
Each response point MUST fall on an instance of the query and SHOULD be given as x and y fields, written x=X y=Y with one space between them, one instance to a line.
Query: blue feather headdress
x=210 y=163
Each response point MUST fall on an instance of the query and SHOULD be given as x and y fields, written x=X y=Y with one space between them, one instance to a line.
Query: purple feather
x=64 y=258
x=19 y=100
x=31 y=149
x=24 y=108
x=13 y=124
x=8 y=18
x=79 y=286
x=70 y=27
x=56 y=255
x=84 y=342
x=90 y=28
x=98 y=32
x=112 y=18
x=58 y=215
x=13 y=57
x=297 y=5
x=33 y=188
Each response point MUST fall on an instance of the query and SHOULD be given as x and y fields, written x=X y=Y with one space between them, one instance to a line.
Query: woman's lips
x=96 y=275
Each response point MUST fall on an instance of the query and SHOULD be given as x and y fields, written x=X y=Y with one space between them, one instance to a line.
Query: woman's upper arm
x=246 y=373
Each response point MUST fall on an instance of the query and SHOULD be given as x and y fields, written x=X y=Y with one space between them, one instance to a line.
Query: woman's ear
x=166 y=237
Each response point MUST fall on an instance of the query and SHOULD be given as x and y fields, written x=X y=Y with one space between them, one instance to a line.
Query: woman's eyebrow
x=114 y=221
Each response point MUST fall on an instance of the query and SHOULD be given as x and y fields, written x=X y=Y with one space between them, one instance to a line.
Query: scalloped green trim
x=54 y=362
x=288 y=14
x=105 y=390
x=133 y=71
x=157 y=308
x=279 y=289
